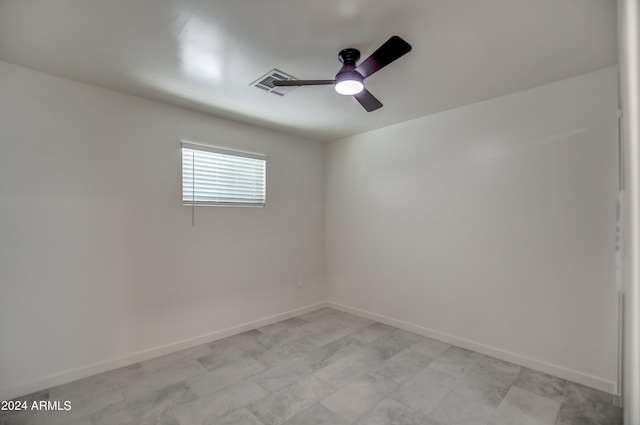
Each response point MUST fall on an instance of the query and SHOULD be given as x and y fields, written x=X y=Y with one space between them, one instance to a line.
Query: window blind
x=215 y=176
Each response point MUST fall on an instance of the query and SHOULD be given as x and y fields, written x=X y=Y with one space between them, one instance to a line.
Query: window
x=214 y=176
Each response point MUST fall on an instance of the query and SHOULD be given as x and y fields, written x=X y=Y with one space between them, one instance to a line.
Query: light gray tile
x=279 y=353
x=583 y=405
x=425 y=390
x=283 y=374
x=89 y=402
x=414 y=338
x=149 y=409
x=54 y=418
x=80 y=421
x=391 y=344
x=162 y=362
x=323 y=322
x=172 y=374
x=488 y=381
x=389 y=412
x=341 y=372
x=316 y=415
x=283 y=325
x=491 y=363
x=86 y=420
x=227 y=353
x=404 y=365
x=521 y=407
x=322 y=335
x=17 y=417
x=580 y=395
x=329 y=335
x=609 y=415
x=319 y=327
x=224 y=376
x=540 y=383
x=355 y=399
x=459 y=410
x=282 y=405
x=284 y=337
x=356 y=322
x=36 y=417
x=372 y=332
x=327 y=354
x=220 y=403
x=365 y=361
x=430 y=347
x=240 y=417
x=456 y=361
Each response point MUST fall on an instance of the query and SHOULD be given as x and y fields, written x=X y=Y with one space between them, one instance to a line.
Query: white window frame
x=258 y=201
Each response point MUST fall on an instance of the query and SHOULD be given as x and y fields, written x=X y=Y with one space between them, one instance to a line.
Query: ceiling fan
x=350 y=79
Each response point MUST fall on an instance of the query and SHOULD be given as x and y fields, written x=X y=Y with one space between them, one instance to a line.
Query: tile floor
x=323 y=368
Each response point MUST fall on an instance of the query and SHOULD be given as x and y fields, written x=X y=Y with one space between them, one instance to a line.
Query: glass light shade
x=349 y=87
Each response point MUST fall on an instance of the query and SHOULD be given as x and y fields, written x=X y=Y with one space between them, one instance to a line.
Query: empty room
x=309 y=213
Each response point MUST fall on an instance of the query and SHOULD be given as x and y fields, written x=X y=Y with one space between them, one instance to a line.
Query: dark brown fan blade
x=290 y=83
x=391 y=50
x=367 y=100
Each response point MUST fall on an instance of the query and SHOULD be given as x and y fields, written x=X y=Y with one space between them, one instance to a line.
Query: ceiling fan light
x=349 y=87
x=349 y=83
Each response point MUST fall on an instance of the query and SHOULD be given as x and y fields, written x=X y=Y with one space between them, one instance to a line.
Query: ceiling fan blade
x=391 y=50
x=367 y=100
x=289 y=83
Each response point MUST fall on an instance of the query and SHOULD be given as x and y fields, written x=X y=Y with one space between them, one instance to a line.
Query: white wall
x=491 y=226
x=99 y=262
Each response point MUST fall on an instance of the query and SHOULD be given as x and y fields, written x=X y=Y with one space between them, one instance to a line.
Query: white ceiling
x=203 y=54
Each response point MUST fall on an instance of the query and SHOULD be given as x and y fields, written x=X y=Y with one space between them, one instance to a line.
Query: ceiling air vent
x=266 y=82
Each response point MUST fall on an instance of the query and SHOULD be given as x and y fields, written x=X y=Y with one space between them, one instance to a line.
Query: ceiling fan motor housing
x=349 y=56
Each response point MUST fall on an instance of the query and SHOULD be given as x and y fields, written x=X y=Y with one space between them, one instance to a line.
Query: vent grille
x=266 y=82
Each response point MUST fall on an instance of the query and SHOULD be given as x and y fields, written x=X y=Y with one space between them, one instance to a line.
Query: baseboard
x=551 y=369
x=105 y=366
